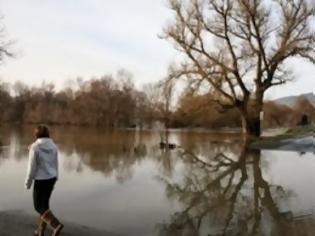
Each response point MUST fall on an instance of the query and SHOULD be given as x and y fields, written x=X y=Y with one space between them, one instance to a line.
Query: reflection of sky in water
x=113 y=181
x=293 y=172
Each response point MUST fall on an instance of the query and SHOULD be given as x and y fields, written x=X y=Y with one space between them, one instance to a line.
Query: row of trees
x=113 y=101
x=101 y=101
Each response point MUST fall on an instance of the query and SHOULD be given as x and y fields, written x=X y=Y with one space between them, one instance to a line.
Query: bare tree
x=5 y=45
x=152 y=93
x=5 y=51
x=239 y=48
x=167 y=90
x=160 y=96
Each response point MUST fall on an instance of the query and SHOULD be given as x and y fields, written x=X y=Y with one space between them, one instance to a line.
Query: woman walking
x=43 y=171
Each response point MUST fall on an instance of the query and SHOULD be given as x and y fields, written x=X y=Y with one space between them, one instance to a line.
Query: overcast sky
x=58 y=40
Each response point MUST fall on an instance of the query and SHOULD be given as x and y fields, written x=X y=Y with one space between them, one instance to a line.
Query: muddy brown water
x=121 y=181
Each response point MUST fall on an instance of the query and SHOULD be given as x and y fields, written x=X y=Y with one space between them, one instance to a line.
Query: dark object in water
x=304 y=120
x=167 y=145
x=124 y=149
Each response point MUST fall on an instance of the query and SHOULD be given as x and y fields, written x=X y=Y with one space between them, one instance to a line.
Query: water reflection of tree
x=225 y=196
x=113 y=153
x=165 y=159
x=12 y=147
x=1 y=155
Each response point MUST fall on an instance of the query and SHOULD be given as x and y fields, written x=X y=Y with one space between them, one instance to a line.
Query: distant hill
x=292 y=100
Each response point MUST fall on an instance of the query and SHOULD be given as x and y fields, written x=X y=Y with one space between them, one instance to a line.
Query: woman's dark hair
x=42 y=131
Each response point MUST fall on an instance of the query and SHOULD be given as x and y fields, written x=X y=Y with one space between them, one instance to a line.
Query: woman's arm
x=57 y=164
x=31 y=168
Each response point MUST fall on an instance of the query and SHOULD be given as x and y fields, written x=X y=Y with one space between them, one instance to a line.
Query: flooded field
x=211 y=184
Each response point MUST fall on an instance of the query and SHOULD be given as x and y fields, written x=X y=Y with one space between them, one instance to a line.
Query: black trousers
x=41 y=194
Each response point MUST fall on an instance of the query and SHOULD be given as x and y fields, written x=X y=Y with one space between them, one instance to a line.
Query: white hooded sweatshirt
x=43 y=161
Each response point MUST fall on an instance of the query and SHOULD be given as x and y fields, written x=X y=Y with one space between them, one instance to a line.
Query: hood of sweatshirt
x=46 y=145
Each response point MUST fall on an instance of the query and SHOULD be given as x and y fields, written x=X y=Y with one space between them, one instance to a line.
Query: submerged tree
x=239 y=48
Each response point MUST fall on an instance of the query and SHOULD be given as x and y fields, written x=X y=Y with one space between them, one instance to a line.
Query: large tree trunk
x=251 y=126
x=251 y=122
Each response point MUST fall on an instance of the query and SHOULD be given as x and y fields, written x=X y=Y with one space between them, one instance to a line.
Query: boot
x=41 y=226
x=52 y=222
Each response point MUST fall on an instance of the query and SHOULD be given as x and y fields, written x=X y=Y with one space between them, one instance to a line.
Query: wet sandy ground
x=16 y=223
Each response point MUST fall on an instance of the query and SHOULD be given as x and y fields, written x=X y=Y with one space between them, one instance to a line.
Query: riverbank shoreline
x=18 y=223
x=300 y=139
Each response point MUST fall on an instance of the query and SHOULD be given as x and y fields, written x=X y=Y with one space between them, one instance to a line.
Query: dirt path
x=16 y=223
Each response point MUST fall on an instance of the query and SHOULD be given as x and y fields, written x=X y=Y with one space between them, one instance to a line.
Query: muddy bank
x=17 y=223
x=299 y=144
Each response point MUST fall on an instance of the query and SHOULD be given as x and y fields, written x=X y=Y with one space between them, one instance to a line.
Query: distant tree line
x=105 y=101
x=114 y=102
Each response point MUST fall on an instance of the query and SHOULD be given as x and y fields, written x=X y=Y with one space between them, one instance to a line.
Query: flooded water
x=123 y=182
